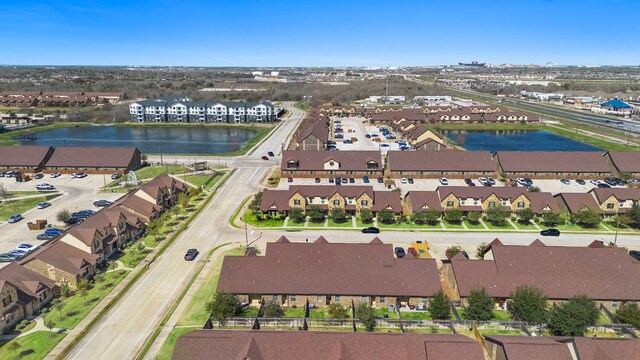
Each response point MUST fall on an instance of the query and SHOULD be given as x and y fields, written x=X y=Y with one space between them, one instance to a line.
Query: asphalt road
x=125 y=328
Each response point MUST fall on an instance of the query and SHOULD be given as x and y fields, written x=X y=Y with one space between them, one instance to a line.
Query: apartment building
x=605 y=201
x=323 y=273
x=311 y=164
x=552 y=164
x=435 y=164
x=183 y=109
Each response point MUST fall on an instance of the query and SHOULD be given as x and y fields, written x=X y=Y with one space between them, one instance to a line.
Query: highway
x=125 y=328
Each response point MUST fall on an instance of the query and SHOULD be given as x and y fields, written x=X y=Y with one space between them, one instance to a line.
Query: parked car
x=444 y=181
x=115 y=176
x=610 y=181
x=43 y=205
x=265 y=157
x=635 y=254
x=550 y=232
x=491 y=181
x=331 y=181
x=317 y=180
x=1 y=173
x=371 y=230
x=102 y=203
x=26 y=247
x=565 y=181
x=290 y=180
x=604 y=185
x=482 y=180
x=634 y=181
x=403 y=180
x=270 y=153
x=352 y=181
x=14 y=218
x=53 y=231
x=469 y=182
x=38 y=176
x=580 y=182
x=191 y=254
x=348 y=141
x=17 y=254
x=41 y=187
x=74 y=220
x=81 y=175
x=380 y=180
x=45 y=237
x=595 y=182
x=56 y=175
x=345 y=180
x=6 y=258
x=384 y=145
x=522 y=181
x=410 y=180
x=365 y=179
x=368 y=136
x=399 y=251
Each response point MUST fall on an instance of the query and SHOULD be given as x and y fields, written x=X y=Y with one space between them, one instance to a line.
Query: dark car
x=365 y=179
x=290 y=180
x=317 y=180
x=265 y=157
x=410 y=180
x=74 y=220
x=580 y=181
x=380 y=180
x=352 y=180
x=115 y=176
x=550 y=232
x=270 y=153
x=611 y=181
x=468 y=182
x=191 y=254
x=635 y=254
x=39 y=176
x=53 y=231
x=604 y=185
x=45 y=237
x=331 y=181
x=101 y=203
x=399 y=251
x=371 y=230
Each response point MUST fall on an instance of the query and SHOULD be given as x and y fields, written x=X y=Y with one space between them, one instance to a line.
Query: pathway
x=39 y=327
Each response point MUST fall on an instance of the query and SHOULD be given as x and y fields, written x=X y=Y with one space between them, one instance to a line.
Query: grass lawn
x=132 y=257
x=384 y=311
x=473 y=226
x=215 y=180
x=250 y=312
x=498 y=315
x=9 y=208
x=195 y=314
x=576 y=227
x=591 y=140
x=27 y=193
x=76 y=308
x=251 y=219
x=166 y=351
x=449 y=225
x=33 y=346
x=429 y=331
x=603 y=319
x=149 y=172
x=505 y=226
x=360 y=224
x=302 y=106
x=415 y=315
x=346 y=224
x=521 y=226
x=292 y=223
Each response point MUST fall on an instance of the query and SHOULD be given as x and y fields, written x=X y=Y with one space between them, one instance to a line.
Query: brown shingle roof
x=559 y=271
x=421 y=199
x=27 y=281
x=281 y=345
x=317 y=128
x=575 y=202
x=626 y=162
x=539 y=200
x=19 y=156
x=329 y=268
x=449 y=160
x=621 y=194
x=606 y=349
x=528 y=347
x=139 y=205
x=92 y=157
x=387 y=200
x=553 y=161
x=315 y=160
x=63 y=256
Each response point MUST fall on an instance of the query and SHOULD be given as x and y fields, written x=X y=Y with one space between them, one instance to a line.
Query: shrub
x=481 y=250
x=474 y=217
x=430 y=217
x=572 y=317
x=629 y=313
x=366 y=216
x=525 y=216
x=386 y=216
x=338 y=215
x=316 y=214
x=273 y=310
x=528 y=304
x=440 y=306
x=496 y=217
x=550 y=219
x=365 y=314
x=337 y=311
x=587 y=218
x=453 y=216
x=453 y=251
x=297 y=215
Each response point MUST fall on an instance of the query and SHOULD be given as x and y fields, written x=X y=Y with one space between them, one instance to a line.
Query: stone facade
x=58 y=275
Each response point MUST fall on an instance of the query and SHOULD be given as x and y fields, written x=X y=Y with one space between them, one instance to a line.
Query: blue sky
x=318 y=33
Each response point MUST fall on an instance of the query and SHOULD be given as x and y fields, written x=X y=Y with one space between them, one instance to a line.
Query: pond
x=515 y=140
x=156 y=139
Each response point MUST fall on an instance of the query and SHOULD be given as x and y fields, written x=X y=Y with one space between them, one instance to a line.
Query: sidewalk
x=39 y=327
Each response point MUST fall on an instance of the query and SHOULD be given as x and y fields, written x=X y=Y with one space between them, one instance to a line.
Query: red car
x=290 y=180
x=265 y=157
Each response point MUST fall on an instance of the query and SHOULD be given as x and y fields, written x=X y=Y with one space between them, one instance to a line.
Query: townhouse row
x=68 y=159
x=460 y=164
x=58 y=98
x=322 y=273
x=183 y=109
x=29 y=284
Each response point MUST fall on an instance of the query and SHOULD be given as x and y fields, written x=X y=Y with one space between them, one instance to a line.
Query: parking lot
x=77 y=194
x=356 y=128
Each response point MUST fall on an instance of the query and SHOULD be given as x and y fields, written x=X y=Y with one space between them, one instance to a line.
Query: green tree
x=99 y=279
x=629 y=313
x=528 y=304
x=534 y=189
x=480 y=306
x=440 y=306
x=453 y=216
x=338 y=215
x=337 y=311
x=366 y=216
x=254 y=205
x=65 y=290
x=496 y=217
x=63 y=215
x=550 y=219
x=572 y=317
x=316 y=214
x=430 y=217
x=386 y=216
x=452 y=251
x=525 y=216
x=14 y=346
x=474 y=217
x=223 y=306
x=297 y=215
x=183 y=200
x=58 y=305
x=49 y=324
x=481 y=250
x=272 y=309
x=634 y=216
x=587 y=218
x=366 y=315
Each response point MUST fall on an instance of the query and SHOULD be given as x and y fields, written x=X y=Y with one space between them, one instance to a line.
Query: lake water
x=515 y=140
x=170 y=140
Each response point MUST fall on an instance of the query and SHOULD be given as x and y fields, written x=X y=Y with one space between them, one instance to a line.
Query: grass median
x=8 y=208
x=34 y=346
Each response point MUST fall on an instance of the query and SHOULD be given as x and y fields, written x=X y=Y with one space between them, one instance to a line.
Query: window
x=609 y=206
x=614 y=304
x=292 y=298
x=296 y=202
x=363 y=299
x=336 y=202
x=492 y=204
x=364 y=203
x=383 y=299
x=463 y=201
x=520 y=204
x=319 y=298
x=424 y=300
x=275 y=297
x=323 y=200
x=449 y=203
x=621 y=204
x=337 y=298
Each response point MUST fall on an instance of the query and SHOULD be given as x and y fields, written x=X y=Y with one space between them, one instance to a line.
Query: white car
x=26 y=247
x=482 y=180
x=43 y=205
x=595 y=182
x=44 y=187
x=444 y=181
x=403 y=180
x=55 y=175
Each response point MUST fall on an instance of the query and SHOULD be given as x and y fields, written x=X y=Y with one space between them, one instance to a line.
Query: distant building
x=183 y=109
x=541 y=96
